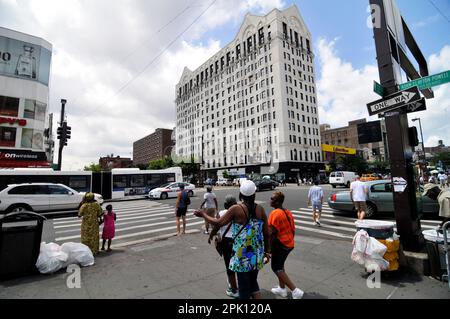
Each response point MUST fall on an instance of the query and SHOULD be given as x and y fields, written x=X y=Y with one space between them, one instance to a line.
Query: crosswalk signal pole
x=61 y=134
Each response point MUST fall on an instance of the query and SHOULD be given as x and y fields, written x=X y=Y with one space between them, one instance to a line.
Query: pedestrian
x=109 y=227
x=443 y=197
x=250 y=231
x=358 y=195
x=211 y=206
x=315 y=199
x=181 y=207
x=227 y=246
x=91 y=213
x=282 y=232
x=442 y=179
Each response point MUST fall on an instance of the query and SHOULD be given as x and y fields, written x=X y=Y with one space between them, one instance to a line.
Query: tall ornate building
x=252 y=107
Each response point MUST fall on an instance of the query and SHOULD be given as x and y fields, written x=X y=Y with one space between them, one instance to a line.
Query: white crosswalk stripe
x=336 y=224
x=137 y=222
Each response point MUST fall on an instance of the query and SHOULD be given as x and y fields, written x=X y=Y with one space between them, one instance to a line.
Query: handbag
x=219 y=242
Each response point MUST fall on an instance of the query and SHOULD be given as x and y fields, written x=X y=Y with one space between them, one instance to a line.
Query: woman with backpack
x=181 y=207
x=250 y=233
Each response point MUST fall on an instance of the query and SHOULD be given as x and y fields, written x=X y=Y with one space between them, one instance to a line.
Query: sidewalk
x=188 y=268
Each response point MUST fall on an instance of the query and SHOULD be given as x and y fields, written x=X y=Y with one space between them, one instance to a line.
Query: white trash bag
x=51 y=258
x=79 y=254
x=375 y=249
x=359 y=247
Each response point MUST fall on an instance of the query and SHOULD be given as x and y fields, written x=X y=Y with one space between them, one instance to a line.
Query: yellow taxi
x=369 y=177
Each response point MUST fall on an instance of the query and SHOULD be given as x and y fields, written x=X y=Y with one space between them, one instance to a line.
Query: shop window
x=33 y=139
x=35 y=110
x=9 y=106
x=8 y=136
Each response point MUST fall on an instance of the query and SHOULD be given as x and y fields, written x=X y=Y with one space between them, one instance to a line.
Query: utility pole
x=61 y=142
x=64 y=133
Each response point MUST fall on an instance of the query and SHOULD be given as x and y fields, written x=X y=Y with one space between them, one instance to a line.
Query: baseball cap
x=428 y=187
x=248 y=188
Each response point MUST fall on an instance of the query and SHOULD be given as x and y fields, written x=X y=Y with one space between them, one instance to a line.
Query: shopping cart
x=447 y=253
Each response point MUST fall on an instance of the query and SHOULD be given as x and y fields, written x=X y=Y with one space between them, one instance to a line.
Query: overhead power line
x=440 y=11
x=155 y=58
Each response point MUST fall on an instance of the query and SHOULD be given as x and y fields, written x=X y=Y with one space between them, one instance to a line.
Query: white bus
x=118 y=183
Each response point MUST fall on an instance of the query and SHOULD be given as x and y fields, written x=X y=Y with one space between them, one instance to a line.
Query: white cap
x=248 y=188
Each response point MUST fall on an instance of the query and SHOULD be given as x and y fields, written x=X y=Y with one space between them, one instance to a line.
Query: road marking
x=148 y=232
x=320 y=231
x=136 y=227
x=308 y=218
x=326 y=226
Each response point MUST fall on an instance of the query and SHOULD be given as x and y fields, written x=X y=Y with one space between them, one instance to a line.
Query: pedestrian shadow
x=397 y=278
x=105 y=254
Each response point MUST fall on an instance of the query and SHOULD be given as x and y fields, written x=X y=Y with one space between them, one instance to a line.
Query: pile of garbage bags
x=369 y=252
x=53 y=257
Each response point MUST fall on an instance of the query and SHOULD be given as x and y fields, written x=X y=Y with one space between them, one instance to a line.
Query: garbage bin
x=20 y=241
x=376 y=228
x=436 y=252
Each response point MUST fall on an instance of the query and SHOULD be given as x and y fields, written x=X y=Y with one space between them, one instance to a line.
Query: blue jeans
x=247 y=283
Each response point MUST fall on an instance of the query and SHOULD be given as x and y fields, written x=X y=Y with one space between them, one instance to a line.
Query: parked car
x=223 y=182
x=342 y=179
x=171 y=190
x=379 y=199
x=41 y=198
x=264 y=184
x=210 y=182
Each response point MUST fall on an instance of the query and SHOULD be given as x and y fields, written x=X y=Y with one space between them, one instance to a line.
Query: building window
x=8 y=136
x=9 y=106
x=33 y=139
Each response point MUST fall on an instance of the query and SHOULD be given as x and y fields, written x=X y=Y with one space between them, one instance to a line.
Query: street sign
x=400 y=184
x=428 y=81
x=407 y=109
x=394 y=101
x=377 y=88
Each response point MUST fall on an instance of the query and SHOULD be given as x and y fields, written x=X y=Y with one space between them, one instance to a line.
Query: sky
x=117 y=62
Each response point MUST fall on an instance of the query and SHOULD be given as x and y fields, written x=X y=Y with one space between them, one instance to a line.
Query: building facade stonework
x=253 y=105
x=153 y=147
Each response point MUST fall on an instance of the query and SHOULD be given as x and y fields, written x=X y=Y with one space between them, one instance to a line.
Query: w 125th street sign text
x=394 y=101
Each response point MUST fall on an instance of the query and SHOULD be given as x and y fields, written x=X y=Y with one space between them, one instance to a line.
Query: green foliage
x=164 y=163
x=444 y=157
x=351 y=164
x=96 y=168
x=380 y=166
x=226 y=175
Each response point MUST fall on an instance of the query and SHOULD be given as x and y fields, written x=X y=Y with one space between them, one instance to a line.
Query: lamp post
x=62 y=140
x=423 y=147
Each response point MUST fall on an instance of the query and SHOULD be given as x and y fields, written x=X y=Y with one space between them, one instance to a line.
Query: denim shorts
x=317 y=206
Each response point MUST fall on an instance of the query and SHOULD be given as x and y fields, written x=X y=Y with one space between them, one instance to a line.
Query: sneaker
x=206 y=232
x=232 y=294
x=318 y=223
x=297 y=293
x=280 y=292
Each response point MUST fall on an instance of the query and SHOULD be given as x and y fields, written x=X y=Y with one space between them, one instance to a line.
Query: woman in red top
x=282 y=232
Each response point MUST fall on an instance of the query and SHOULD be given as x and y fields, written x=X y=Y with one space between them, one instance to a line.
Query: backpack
x=186 y=199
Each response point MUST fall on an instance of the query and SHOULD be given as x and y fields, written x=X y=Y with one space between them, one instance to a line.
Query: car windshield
x=165 y=185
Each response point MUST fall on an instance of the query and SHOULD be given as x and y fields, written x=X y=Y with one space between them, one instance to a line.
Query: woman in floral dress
x=90 y=211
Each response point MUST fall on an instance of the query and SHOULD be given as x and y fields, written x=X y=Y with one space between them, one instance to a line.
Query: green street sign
x=377 y=88
x=428 y=81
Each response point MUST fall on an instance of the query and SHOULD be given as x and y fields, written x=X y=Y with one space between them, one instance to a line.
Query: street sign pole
x=400 y=152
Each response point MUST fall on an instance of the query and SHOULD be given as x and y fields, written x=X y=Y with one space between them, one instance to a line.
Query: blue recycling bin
x=20 y=241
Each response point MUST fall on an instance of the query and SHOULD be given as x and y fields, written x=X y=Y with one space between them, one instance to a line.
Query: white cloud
x=344 y=91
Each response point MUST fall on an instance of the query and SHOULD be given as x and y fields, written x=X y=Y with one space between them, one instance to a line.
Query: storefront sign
x=18 y=155
x=338 y=149
x=7 y=120
x=24 y=60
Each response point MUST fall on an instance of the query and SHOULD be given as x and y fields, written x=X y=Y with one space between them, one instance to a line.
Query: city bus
x=116 y=184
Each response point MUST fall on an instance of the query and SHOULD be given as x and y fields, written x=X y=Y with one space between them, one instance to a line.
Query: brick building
x=153 y=147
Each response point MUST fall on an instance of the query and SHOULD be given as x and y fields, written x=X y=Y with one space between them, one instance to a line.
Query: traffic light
x=68 y=132
x=60 y=133
x=413 y=137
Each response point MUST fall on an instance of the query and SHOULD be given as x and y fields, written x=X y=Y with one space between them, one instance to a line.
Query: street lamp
x=423 y=146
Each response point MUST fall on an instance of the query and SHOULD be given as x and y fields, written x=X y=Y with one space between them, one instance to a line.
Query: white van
x=342 y=179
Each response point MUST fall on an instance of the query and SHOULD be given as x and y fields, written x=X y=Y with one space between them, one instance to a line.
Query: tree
x=96 y=168
x=381 y=167
x=226 y=175
x=443 y=157
x=350 y=163
x=163 y=163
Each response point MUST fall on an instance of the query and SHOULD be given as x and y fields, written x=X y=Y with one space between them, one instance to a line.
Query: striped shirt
x=315 y=195
x=285 y=227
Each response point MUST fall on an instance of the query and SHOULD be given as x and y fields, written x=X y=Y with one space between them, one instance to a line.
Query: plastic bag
x=379 y=264
x=79 y=254
x=375 y=249
x=51 y=258
x=359 y=247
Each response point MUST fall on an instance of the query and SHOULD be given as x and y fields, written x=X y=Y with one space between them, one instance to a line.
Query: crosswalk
x=335 y=226
x=142 y=221
x=137 y=222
